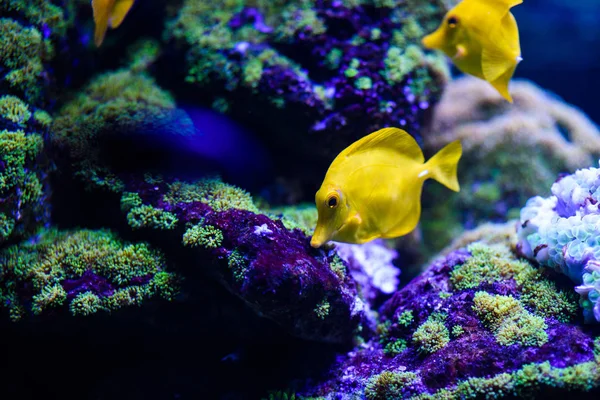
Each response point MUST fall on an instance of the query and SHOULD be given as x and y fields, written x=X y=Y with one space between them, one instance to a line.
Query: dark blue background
x=560 y=45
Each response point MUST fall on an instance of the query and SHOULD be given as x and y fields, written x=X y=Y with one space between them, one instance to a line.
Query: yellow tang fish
x=373 y=188
x=108 y=13
x=482 y=38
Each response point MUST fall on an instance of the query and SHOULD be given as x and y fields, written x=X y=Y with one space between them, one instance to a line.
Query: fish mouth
x=432 y=41
x=319 y=237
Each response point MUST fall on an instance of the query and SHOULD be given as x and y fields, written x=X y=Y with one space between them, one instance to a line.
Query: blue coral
x=562 y=232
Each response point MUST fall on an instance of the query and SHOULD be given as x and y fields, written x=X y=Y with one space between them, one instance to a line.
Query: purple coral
x=563 y=232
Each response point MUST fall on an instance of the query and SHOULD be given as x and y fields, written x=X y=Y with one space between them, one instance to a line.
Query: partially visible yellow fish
x=108 y=13
x=373 y=188
x=482 y=38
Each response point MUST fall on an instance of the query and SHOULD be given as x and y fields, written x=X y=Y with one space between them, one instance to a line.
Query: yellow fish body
x=373 y=188
x=482 y=38
x=108 y=13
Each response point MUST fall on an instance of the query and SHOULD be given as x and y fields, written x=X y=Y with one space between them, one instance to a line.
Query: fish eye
x=452 y=21
x=333 y=200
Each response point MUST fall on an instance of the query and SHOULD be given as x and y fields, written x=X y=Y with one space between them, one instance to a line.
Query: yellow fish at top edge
x=108 y=13
x=373 y=188
x=482 y=38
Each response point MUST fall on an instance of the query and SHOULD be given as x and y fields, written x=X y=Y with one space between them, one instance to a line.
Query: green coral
x=42 y=12
x=238 y=265
x=42 y=118
x=23 y=52
x=457 y=330
x=489 y=264
x=523 y=383
x=20 y=185
x=395 y=347
x=363 y=83
x=399 y=62
x=204 y=28
x=406 y=318
x=213 y=192
x=388 y=385
x=302 y=217
x=134 y=271
x=206 y=236
x=509 y=321
x=432 y=335
x=146 y=216
x=85 y=304
x=114 y=99
x=15 y=110
x=322 y=309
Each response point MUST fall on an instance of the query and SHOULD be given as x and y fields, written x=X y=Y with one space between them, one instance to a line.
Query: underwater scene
x=299 y=199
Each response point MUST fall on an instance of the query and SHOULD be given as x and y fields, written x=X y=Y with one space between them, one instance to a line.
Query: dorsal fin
x=508 y=3
x=391 y=138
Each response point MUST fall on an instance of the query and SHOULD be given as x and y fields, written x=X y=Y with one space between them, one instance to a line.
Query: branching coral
x=86 y=271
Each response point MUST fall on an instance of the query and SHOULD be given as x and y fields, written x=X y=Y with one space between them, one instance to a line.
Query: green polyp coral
x=395 y=347
x=85 y=304
x=457 y=330
x=525 y=382
x=85 y=271
x=20 y=185
x=399 y=62
x=406 y=318
x=432 y=335
x=111 y=102
x=510 y=322
x=42 y=12
x=213 y=192
x=238 y=265
x=23 y=52
x=364 y=83
x=388 y=385
x=42 y=118
x=146 y=216
x=206 y=236
x=15 y=110
x=489 y=264
x=302 y=217
x=322 y=309
x=205 y=28
x=253 y=70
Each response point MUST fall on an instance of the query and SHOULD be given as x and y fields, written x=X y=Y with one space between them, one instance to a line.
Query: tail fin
x=443 y=165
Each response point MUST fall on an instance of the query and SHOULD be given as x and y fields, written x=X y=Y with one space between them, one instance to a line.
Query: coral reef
x=111 y=127
x=272 y=269
x=371 y=267
x=562 y=232
x=82 y=271
x=511 y=152
x=478 y=323
x=29 y=33
x=288 y=68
